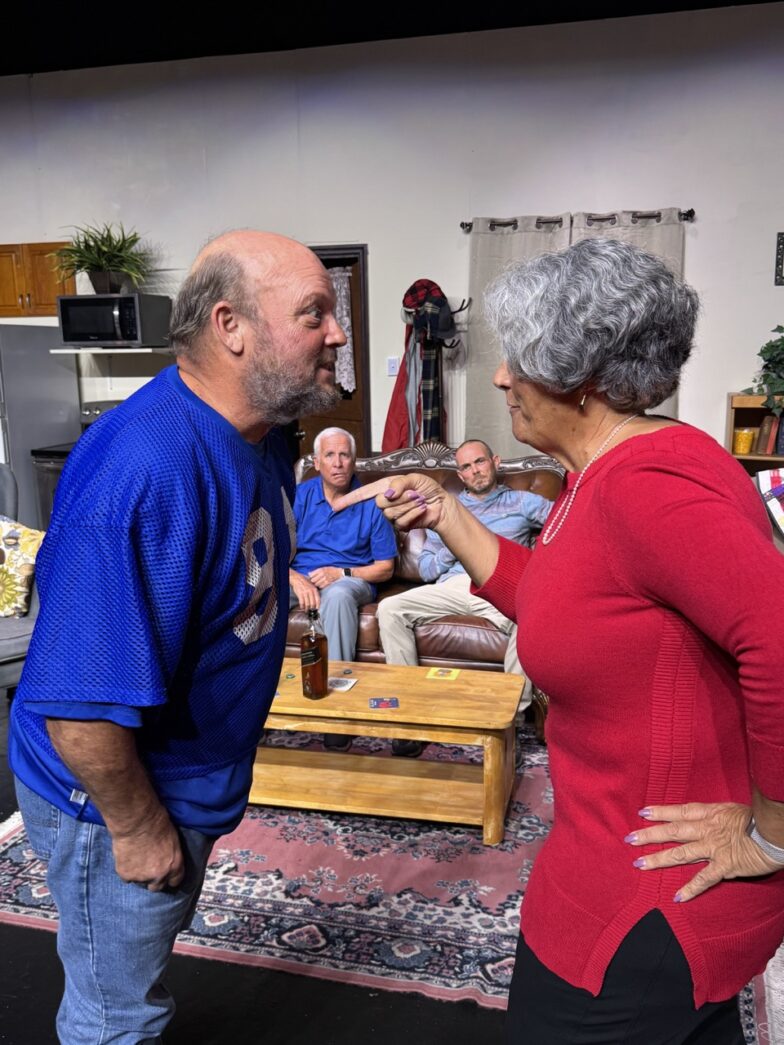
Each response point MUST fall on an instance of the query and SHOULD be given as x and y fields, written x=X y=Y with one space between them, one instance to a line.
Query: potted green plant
x=770 y=379
x=112 y=257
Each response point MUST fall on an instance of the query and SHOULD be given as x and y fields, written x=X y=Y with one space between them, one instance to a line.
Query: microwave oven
x=114 y=320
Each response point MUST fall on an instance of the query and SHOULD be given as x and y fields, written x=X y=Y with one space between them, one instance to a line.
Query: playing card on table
x=341 y=685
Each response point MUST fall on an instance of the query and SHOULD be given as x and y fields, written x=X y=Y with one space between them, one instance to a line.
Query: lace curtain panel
x=495 y=243
x=344 y=368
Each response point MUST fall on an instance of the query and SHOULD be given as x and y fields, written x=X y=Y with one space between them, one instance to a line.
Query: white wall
x=394 y=143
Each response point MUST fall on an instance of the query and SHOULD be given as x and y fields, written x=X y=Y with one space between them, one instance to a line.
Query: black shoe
x=337 y=741
x=408 y=748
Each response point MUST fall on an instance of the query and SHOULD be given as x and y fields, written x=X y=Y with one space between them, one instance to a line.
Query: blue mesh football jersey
x=160 y=579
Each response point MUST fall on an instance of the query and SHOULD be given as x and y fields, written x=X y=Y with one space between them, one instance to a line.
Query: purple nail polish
x=631 y=838
x=639 y=862
x=644 y=813
x=389 y=493
x=677 y=898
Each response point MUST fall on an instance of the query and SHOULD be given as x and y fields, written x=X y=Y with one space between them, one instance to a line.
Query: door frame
x=356 y=253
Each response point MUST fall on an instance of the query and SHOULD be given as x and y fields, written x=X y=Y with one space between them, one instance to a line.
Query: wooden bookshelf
x=747 y=411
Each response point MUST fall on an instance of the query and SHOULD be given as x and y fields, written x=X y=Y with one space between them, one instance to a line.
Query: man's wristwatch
x=773 y=852
x=347 y=571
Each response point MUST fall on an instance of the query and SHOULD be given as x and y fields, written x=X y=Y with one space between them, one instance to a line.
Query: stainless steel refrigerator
x=39 y=404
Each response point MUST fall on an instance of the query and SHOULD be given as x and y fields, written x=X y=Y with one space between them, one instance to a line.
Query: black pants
x=646 y=999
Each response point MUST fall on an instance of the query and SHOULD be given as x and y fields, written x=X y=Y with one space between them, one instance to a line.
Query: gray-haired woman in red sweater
x=649 y=613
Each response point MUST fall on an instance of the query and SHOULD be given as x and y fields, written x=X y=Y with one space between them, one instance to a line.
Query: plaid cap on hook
x=426 y=307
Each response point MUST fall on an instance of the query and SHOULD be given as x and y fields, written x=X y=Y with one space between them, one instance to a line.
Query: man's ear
x=317 y=462
x=228 y=326
x=496 y=461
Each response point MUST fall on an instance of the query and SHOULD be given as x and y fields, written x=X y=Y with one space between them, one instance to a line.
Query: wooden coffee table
x=477 y=707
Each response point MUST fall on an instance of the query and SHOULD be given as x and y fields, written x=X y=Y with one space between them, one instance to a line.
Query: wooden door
x=43 y=282
x=12 y=280
x=353 y=410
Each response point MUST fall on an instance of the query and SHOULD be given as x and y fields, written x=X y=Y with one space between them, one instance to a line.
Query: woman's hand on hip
x=710 y=832
x=408 y=501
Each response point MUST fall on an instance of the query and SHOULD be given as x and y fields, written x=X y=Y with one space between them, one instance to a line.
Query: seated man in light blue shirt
x=340 y=555
x=509 y=513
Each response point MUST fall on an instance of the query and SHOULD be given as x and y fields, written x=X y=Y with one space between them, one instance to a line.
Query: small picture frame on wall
x=779 y=276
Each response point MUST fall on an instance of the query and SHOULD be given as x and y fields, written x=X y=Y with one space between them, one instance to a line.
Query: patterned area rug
x=394 y=904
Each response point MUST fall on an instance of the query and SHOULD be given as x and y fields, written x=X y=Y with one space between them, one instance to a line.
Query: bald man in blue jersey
x=164 y=600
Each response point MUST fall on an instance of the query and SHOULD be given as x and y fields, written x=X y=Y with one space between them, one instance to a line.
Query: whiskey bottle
x=314 y=658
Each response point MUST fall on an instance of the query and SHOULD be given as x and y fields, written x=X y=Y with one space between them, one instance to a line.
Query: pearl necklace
x=549 y=533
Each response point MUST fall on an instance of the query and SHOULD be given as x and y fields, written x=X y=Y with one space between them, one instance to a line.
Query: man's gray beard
x=279 y=399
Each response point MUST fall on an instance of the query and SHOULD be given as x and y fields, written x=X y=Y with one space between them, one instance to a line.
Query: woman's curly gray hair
x=601 y=316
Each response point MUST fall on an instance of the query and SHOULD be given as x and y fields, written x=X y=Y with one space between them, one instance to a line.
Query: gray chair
x=15 y=632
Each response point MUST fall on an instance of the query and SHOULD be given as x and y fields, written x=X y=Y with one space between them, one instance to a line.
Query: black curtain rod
x=593 y=219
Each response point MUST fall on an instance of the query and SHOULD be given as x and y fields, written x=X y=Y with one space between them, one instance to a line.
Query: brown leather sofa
x=463 y=642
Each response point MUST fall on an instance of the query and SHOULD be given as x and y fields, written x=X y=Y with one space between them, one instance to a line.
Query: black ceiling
x=77 y=36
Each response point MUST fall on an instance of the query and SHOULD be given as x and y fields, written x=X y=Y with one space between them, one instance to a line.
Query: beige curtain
x=495 y=243
x=660 y=232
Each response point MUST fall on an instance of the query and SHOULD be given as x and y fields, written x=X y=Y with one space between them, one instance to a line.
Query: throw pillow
x=18 y=548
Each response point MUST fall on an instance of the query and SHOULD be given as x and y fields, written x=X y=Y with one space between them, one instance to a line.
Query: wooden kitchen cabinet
x=29 y=281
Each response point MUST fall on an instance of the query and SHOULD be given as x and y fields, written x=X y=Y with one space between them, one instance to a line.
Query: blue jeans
x=115 y=938
x=339 y=612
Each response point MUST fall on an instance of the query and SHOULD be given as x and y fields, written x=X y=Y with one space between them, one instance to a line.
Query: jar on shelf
x=743 y=440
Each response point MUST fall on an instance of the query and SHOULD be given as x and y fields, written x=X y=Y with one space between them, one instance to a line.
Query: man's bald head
x=262 y=254
x=233 y=267
x=254 y=324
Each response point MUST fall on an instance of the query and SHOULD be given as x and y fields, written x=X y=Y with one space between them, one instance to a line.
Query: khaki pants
x=399 y=614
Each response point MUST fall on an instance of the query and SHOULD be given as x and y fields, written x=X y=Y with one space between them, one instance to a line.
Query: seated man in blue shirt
x=340 y=555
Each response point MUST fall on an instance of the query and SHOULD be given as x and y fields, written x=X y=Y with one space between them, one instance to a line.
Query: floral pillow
x=18 y=548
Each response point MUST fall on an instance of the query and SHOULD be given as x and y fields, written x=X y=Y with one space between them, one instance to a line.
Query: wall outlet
x=393 y=365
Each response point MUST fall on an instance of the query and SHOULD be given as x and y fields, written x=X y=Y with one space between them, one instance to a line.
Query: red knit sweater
x=655 y=623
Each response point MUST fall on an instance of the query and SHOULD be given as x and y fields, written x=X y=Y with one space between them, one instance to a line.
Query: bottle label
x=310 y=656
